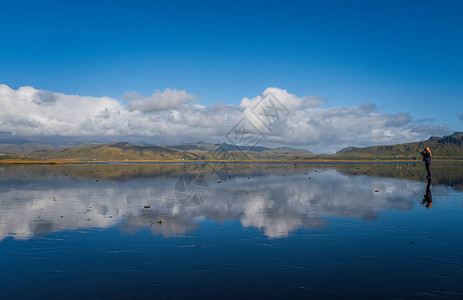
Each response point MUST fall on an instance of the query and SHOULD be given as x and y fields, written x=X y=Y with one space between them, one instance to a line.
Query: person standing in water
x=426 y=153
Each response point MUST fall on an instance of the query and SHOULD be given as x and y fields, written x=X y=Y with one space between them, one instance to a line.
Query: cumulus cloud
x=158 y=101
x=319 y=129
x=290 y=101
x=275 y=118
x=28 y=111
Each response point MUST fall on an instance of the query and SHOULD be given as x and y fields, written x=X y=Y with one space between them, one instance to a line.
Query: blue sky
x=403 y=56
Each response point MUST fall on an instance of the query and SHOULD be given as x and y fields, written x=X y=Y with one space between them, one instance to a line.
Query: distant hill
x=224 y=151
x=20 y=146
x=14 y=140
x=447 y=147
x=196 y=151
x=77 y=143
x=199 y=146
x=15 y=157
x=450 y=146
x=115 y=152
x=202 y=146
x=24 y=148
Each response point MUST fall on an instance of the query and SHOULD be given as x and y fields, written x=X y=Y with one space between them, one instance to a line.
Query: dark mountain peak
x=14 y=141
x=455 y=138
x=457 y=134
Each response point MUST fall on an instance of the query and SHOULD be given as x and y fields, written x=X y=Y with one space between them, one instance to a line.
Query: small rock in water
x=147 y=206
x=376 y=191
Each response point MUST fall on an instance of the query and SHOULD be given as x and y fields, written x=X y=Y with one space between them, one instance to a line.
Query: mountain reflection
x=275 y=203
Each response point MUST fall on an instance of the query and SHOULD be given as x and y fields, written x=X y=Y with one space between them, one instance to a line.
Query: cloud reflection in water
x=275 y=204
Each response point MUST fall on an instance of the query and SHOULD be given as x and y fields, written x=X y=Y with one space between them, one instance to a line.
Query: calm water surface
x=318 y=231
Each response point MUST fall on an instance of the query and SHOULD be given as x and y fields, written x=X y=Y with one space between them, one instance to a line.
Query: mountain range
x=447 y=147
x=195 y=151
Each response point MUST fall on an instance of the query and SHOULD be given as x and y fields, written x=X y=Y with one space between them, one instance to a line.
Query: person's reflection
x=427 y=201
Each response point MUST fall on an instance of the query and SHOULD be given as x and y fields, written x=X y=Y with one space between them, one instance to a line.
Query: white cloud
x=28 y=111
x=290 y=101
x=169 y=116
x=159 y=101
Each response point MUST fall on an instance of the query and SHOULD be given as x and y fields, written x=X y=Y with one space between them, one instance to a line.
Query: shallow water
x=331 y=231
